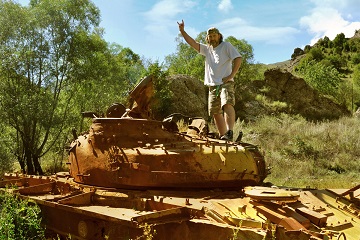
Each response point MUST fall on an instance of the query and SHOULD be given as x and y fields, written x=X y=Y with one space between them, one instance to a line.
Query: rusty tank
x=132 y=177
x=123 y=150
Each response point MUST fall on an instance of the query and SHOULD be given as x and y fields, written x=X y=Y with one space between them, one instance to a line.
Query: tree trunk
x=22 y=164
x=37 y=166
x=29 y=163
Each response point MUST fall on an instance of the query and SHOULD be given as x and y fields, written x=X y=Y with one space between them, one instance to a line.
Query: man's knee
x=227 y=106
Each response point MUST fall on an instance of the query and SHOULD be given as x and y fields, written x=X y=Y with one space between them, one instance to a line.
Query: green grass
x=302 y=153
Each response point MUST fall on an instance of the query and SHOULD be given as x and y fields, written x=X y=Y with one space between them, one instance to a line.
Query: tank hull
x=83 y=212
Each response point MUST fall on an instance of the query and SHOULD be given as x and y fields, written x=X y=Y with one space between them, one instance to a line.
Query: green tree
x=297 y=52
x=249 y=70
x=6 y=159
x=316 y=54
x=355 y=59
x=339 y=41
x=162 y=93
x=354 y=44
x=336 y=61
x=186 y=60
x=356 y=75
x=326 y=42
x=325 y=79
x=49 y=49
x=307 y=48
x=118 y=69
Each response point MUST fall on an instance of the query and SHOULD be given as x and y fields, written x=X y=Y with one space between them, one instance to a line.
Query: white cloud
x=328 y=21
x=160 y=24
x=162 y=16
x=331 y=17
x=343 y=5
x=225 y=5
x=240 y=29
x=167 y=9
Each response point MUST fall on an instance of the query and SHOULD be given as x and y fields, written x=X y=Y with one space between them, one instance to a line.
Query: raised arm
x=187 y=38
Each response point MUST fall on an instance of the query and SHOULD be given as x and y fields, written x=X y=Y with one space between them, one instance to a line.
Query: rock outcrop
x=300 y=97
x=190 y=98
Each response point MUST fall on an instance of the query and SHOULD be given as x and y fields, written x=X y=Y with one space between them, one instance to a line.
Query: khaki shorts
x=226 y=95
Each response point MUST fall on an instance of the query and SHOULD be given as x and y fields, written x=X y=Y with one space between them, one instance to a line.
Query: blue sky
x=273 y=27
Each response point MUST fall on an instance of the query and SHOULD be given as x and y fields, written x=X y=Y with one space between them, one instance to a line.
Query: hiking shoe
x=228 y=136
x=238 y=139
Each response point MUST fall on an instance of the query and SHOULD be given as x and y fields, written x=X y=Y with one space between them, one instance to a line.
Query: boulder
x=300 y=97
x=189 y=96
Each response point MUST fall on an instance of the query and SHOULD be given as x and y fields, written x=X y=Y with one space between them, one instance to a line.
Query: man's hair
x=213 y=30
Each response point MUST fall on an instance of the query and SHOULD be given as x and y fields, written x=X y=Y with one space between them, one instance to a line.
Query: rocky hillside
x=299 y=97
x=279 y=92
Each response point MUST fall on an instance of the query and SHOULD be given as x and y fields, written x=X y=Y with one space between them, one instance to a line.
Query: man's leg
x=228 y=101
x=229 y=116
x=215 y=110
x=220 y=123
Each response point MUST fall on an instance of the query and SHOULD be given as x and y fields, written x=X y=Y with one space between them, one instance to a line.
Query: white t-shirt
x=218 y=62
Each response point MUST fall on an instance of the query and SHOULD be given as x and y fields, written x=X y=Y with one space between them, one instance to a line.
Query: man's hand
x=226 y=79
x=181 y=25
x=187 y=38
x=236 y=66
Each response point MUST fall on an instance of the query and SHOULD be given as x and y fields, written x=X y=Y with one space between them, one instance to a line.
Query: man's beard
x=212 y=43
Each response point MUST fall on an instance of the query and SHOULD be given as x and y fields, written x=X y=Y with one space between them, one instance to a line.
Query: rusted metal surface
x=316 y=218
x=352 y=194
x=86 y=212
x=141 y=154
x=271 y=194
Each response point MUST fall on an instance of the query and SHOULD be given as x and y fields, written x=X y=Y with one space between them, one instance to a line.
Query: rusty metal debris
x=88 y=212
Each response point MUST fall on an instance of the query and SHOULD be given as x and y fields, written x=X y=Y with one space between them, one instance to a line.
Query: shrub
x=19 y=219
x=355 y=59
x=325 y=79
x=297 y=52
x=316 y=54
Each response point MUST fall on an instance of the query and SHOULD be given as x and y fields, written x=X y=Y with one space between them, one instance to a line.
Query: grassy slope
x=301 y=153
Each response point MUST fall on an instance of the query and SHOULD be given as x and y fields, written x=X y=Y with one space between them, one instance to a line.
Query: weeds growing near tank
x=235 y=234
x=148 y=232
x=19 y=219
x=301 y=153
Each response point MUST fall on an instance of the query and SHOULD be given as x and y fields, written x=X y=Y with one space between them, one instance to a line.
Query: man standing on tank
x=222 y=62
